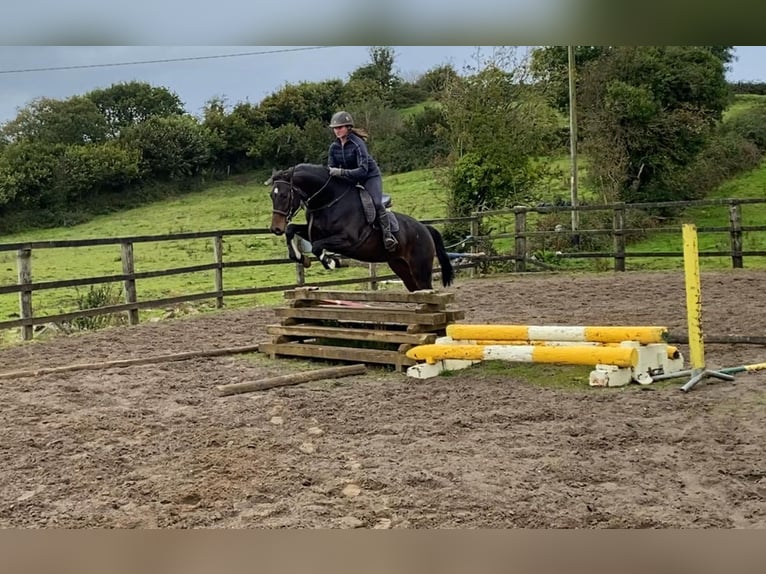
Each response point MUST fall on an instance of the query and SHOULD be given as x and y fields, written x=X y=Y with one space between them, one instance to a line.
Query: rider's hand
x=336 y=171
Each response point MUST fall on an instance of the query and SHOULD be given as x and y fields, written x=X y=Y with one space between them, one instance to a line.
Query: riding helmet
x=341 y=119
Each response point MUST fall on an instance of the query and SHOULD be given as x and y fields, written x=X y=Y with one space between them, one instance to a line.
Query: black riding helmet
x=341 y=119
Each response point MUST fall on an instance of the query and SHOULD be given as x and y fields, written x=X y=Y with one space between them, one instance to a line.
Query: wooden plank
x=105 y=310
x=433 y=297
x=291 y=379
x=367 y=315
x=130 y=362
x=441 y=329
x=337 y=353
x=351 y=334
x=456 y=315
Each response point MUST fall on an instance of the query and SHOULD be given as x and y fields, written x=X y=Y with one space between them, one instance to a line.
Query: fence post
x=24 y=266
x=618 y=228
x=373 y=276
x=521 y=240
x=735 y=232
x=475 y=230
x=218 y=256
x=129 y=269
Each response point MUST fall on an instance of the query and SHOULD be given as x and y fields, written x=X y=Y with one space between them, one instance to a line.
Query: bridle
x=293 y=209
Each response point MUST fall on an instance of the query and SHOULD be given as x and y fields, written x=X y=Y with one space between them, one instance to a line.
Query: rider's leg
x=375 y=187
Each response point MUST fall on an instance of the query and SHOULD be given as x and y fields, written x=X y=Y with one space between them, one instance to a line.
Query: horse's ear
x=270 y=181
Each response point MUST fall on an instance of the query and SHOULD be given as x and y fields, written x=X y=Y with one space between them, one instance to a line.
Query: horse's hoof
x=306 y=261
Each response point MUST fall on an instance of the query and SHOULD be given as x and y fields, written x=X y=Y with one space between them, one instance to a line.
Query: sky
x=236 y=73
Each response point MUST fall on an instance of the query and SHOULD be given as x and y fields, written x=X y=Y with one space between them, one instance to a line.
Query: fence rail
x=521 y=236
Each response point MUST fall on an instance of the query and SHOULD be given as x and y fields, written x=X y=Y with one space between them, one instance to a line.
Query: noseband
x=292 y=210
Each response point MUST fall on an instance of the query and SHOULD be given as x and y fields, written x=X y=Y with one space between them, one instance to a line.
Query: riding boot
x=389 y=241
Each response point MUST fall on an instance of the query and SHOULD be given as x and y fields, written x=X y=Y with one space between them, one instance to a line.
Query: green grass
x=742 y=102
x=748 y=185
x=419 y=107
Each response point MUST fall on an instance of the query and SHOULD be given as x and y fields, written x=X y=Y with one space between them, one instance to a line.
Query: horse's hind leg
x=421 y=264
x=403 y=271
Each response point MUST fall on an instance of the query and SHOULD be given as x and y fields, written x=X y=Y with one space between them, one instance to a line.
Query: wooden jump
x=376 y=327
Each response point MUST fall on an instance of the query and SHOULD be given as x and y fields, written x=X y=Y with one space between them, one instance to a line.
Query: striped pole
x=644 y=335
x=673 y=352
x=574 y=355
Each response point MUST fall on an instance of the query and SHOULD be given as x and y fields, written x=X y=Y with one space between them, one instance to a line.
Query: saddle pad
x=369 y=210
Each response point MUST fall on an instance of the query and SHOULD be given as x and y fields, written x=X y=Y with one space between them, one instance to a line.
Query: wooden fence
x=522 y=237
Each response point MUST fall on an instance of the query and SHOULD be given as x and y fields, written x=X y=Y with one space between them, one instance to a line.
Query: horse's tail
x=448 y=273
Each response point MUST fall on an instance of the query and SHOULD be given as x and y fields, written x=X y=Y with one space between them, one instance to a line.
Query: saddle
x=368 y=207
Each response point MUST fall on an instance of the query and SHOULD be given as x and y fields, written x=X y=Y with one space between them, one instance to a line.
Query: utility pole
x=573 y=140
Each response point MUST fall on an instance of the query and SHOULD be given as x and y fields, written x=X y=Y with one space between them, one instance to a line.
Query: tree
x=645 y=114
x=436 y=80
x=297 y=103
x=172 y=148
x=27 y=173
x=378 y=76
x=498 y=127
x=549 y=65
x=128 y=103
x=74 y=121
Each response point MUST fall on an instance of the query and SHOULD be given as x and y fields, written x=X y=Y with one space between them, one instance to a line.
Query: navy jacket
x=354 y=158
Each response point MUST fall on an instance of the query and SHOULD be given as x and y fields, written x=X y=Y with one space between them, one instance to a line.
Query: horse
x=339 y=221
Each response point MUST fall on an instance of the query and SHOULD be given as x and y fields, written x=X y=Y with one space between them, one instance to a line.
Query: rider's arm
x=359 y=173
x=331 y=156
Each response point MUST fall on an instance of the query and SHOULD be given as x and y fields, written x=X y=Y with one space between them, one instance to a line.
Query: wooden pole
x=218 y=257
x=129 y=269
x=129 y=362
x=292 y=379
x=573 y=137
x=24 y=264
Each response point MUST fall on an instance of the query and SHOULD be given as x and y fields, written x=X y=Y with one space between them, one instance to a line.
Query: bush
x=98 y=296
x=725 y=155
x=751 y=125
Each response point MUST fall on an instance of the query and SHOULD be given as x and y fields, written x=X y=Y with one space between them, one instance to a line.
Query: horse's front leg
x=294 y=236
x=319 y=248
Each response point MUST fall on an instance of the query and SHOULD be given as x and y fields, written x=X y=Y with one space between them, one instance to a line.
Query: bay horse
x=339 y=221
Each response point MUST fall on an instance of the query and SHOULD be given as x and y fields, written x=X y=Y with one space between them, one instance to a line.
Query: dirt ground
x=155 y=446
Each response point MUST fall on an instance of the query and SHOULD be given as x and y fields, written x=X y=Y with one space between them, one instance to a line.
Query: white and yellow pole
x=574 y=355
x=600 y=334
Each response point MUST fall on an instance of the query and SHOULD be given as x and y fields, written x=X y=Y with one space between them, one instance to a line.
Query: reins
x=307 y=203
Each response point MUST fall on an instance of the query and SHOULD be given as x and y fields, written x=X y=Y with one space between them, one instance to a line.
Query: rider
x=348 y=157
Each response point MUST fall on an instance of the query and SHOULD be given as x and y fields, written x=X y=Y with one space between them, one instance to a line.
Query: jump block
x=615 y=364
x=375 y=327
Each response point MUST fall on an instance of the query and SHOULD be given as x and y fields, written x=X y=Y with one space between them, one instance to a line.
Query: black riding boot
x=389 y=241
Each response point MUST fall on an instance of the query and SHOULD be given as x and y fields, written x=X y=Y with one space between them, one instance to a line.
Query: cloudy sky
x=237 y=73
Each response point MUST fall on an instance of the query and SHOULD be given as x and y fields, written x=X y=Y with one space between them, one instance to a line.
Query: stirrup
x=390 y=243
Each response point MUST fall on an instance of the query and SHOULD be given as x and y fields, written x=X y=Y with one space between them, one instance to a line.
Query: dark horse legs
x=319 y=247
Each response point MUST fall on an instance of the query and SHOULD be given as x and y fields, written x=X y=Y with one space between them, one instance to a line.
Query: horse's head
x=291 y=188
x=285 y=199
